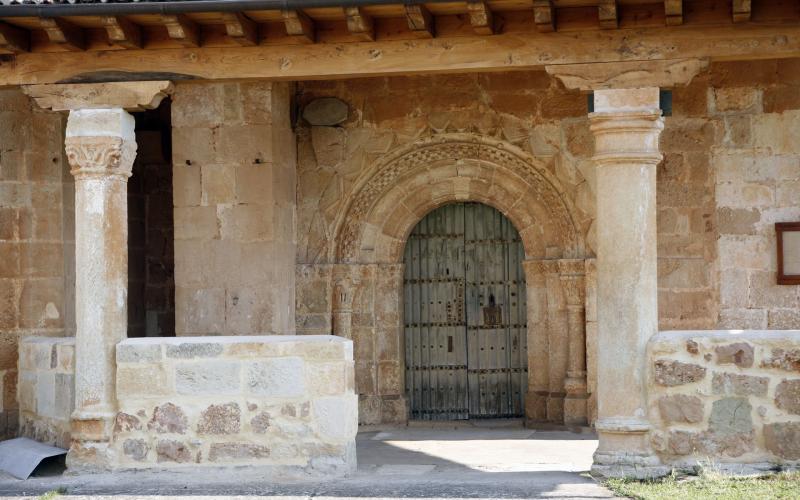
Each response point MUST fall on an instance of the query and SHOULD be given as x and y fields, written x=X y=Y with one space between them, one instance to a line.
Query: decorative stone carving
x=628 y=74
x=417 y=158
x=100 y=156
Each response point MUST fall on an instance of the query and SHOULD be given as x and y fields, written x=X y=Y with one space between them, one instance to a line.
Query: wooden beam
x=299 y=25
x=607 y=14
x=420 y=21
x=673 y=12
x=14 y=39
x=503 y=52
x=182 y=29
x=544 y=15
x=481 y=18
x=122 y=32
x=741 y=11
x=241 y=28
x=63 y=33
x=360 y=24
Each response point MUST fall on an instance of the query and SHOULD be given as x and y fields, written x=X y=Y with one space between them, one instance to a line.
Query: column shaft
x=626 y=125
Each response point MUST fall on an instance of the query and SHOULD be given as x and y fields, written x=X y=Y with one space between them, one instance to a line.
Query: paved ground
x=417 y=462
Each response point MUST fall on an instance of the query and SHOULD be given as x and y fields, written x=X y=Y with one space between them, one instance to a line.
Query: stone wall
x=46 y=388
x=36 y=237
x=283 y=402
x=233 y=156
x=725 y=397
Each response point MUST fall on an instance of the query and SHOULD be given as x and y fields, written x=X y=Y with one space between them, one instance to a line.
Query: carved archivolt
x=100 y=156
x=505 y=161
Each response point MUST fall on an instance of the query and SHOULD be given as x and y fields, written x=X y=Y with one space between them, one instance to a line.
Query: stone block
x=787 y=396
x=783 y=439
x=734 y=384
x=260 y=423
x=681 y=408
x=738 y=220
x=247 y=223
x=64 y=402
x=738 y=353
x=737 y=99
x=196 y=223
x=254 y=184
x=682 y=273
x=168 y=418
x=193 y=146
x=198 y=105
x=784 y=319
x=673 y=373
x=336 y=417
x=237 y=451
x=775 y=131
x=207 y=377
x=326 y=379
x=199 y=311
x=731 y=416
x=45 y=395
x=138 y=353
x=186 y=185
x=136 y=449
x=743 y=319
x=778 y=99
x=279 y=377
x=141 y=381
x=220 y=419
x=125 y=422
x=191 y=350
x=168 y=450
x=244 y=144
x=218 y=184
x=784 y=359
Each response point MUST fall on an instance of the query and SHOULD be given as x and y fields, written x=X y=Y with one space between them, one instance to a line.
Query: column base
x=628 y=465
x=89 y=458
x=624 y=451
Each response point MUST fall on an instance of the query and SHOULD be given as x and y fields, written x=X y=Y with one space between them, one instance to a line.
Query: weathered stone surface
x=787 y=396
x=735 y=444
x=692 y=347
x=680 y=442
x=740 y=354
x=681 y=408
x=282 y=377
x=730 y=416
x=194 y=350
x=260 y=423
x=168 y=450
x=733 y=384
x=237 y=451
x=326 y=111
x=672 y=373
x=220 y=419
x=783 y=439
x=127 y=353
x=788 y=360
x=168 y=418
x=126 y=423
x=212 y=377
x=135 y=448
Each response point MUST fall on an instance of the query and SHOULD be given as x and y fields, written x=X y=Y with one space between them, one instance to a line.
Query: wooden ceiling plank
x=673 y=12
x=182 y=29
x=123 y=32
x=420 y=21
x=241 y=28
x=481 y=18
x=64 y=33
x=359 y=23
x=741 y=11
x=544 y=16
x=14 y=39
x=299 y=25
x=607 y=14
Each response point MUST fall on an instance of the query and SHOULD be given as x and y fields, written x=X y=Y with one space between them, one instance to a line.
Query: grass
x=51 y=495
x=710 y=485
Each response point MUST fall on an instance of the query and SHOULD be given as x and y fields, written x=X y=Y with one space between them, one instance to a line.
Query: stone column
x=557 y=343
x=572 y=281
x=538 y=361
x=100 y=147
x=626 y=125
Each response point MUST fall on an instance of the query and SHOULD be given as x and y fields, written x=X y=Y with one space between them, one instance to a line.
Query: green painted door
x=465 y=315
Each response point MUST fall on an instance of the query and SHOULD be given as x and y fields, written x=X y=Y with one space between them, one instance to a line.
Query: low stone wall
x=726 y=397
x=46 y=388
x=283 y=402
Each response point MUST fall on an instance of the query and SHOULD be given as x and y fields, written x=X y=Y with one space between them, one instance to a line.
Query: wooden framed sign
x=788 y=234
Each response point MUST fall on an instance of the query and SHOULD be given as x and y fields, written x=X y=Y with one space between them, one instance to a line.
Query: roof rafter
x=298 y=25
x=359 y=23
x=63 y=33
x=14 y=39
x=182 y=29
x=123 y=32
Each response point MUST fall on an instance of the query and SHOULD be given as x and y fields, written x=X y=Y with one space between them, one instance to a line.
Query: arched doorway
x=465 y=324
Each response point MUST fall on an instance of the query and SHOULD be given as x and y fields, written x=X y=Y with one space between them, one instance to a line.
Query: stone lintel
x=131 y=96
x=629 y=74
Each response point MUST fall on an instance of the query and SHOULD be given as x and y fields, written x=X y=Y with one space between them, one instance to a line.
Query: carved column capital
x=100 y=156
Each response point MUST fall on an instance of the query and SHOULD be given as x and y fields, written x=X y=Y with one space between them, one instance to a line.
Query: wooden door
x=465 y=315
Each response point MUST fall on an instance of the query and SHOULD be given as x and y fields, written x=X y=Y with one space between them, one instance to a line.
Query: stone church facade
x=201 y=270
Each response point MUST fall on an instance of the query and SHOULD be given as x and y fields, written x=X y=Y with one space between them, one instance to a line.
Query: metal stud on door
x=464 y=313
